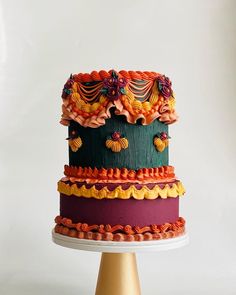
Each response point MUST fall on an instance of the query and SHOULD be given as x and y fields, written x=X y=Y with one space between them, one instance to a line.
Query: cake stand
x=118 y=273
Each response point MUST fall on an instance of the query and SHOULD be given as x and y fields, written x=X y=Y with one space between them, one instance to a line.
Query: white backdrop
x=42 y=42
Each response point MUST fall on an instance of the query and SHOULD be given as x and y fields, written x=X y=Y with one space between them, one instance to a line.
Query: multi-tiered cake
x=119 y=185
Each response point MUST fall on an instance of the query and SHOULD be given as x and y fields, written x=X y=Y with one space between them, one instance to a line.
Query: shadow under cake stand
x=118 y=273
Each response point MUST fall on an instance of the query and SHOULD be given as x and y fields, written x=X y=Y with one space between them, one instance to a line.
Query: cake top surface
x=139 y=96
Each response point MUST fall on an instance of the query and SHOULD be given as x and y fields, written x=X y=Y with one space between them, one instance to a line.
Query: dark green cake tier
x=141 y=152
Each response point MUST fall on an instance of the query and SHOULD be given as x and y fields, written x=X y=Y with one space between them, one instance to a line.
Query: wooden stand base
x=118 y=275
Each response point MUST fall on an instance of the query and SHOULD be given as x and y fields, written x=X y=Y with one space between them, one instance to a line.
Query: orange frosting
x=87 y=105
x=118 y=232
x=116 y=175
x=101 y=75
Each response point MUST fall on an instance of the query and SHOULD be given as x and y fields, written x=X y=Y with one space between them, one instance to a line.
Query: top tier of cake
x=115 y=118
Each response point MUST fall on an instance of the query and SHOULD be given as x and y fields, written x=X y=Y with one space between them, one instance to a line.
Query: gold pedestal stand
x=118 y=275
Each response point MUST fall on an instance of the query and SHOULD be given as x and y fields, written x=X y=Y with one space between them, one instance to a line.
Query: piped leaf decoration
x=75 y=141
x=116 y=143
x=161 y=141
x=124 y=143
x=75 y=144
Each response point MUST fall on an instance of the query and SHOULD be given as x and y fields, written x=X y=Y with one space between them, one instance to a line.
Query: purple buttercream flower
x=113 y=86
x=116 y=135
x=164 y=86
x=67 y=87
x=73 y=134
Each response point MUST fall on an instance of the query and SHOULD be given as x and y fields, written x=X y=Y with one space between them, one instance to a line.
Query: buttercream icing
x=116 y=175
x=118 y=232
x=146 y=96
x=81 y=189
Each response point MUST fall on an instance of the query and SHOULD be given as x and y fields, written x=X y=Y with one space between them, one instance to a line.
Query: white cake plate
x=118 y=273
x=120 y=247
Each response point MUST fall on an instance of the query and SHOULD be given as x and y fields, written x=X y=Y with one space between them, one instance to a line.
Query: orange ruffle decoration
x=86 y=104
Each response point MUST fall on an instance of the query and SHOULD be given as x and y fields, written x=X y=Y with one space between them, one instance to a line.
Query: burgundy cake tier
x=132 y=212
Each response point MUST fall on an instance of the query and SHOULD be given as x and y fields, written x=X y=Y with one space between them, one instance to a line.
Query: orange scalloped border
x=119 y=233
x=116 y=175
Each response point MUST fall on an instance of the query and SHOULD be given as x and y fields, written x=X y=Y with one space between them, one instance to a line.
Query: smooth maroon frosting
x=117 y=211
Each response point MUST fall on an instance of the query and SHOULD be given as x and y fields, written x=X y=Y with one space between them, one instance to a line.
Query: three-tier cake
x=119 y=185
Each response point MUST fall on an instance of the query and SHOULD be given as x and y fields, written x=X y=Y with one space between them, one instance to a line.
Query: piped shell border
x=119 y=233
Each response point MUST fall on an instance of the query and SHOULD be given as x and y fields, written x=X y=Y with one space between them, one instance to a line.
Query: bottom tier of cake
x=119 y=220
